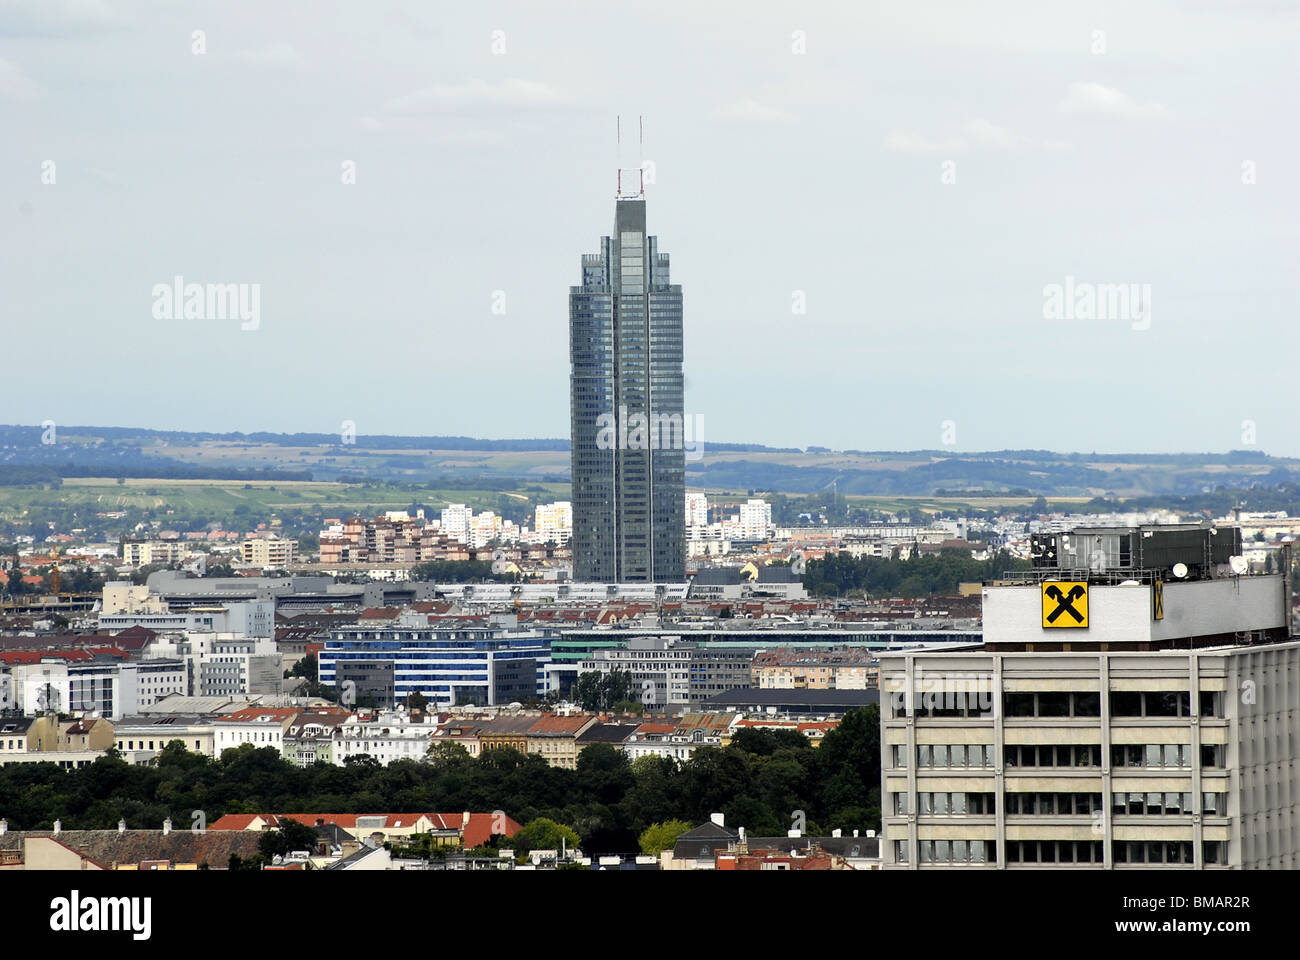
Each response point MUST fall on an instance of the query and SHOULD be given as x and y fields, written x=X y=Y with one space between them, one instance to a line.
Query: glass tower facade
x=627 y=419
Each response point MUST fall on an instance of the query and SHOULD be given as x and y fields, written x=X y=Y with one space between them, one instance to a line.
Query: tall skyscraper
x=628 y=461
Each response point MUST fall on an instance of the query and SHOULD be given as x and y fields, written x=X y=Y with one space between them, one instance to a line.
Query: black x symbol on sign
x=1065 y=602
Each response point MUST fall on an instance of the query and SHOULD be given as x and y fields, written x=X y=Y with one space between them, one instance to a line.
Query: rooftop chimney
x=719 y=820
x=167 y=826
x=464 y=819
x=58 y=827
x=4 y=827
x=837 y=833
x=121 y=826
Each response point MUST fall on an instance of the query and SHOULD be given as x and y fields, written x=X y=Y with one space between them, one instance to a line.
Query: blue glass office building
x=625 y=345
x=485 y=665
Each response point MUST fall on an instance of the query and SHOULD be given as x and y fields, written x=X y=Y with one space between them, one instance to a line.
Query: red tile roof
x=473 y=834
x=551 y=724
x=15 y=657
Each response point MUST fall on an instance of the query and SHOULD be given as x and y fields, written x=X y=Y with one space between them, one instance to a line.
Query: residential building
x=814 y=730
x=122 y=849
x=697 y=511
x=840 y=669
x=464 y=829
x=505 y=732
x=268 y=551
x=754 y=520
x=677 y=741
x=455 y=521
x=140 y=552
x=614 y=733
x=553 y=522
x=311 y=736
x=386 y=736
x=556 y=739
x=260 y=726
x=151 y=734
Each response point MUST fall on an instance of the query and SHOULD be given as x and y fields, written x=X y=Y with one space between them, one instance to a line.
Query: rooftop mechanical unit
x=1188 y=551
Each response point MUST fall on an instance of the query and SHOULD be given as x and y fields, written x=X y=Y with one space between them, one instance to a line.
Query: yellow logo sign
x=1158 y=600
x=1065 y=603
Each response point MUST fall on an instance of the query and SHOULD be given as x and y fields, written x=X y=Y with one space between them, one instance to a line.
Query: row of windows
x=1071 y=755
x=1169 y=851
x=1177 y=804
x=1163 y=755
x=1063 y=804
x=1059 y=755
x=1166 y=704
x=948 y=755
x=946 y=803
x=131 y=744
x=1052 y=804
x=1055 y=851
x=1062 y=851
x=950 y=851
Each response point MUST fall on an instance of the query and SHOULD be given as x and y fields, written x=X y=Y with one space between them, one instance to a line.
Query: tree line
x=766 y=781
x=839 y=574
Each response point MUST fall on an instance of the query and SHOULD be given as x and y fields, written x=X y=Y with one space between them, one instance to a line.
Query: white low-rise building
x=260 y=726
x=387 y=736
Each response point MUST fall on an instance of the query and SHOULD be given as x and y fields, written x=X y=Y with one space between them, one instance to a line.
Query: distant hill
x=138 y=452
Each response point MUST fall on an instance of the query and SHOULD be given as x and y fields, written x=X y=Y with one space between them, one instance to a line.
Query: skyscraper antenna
x=631 y=182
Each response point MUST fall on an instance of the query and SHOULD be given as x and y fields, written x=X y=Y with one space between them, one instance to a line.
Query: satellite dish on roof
x=1238 y=565
x=1179 y=570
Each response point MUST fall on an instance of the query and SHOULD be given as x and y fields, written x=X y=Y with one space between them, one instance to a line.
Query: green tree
x=289 y=836
x=658 y=837
x=544 y=834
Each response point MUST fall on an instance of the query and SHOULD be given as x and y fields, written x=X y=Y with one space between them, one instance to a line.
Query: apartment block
x=845 y=669
x=268 y=551
x=140 y=552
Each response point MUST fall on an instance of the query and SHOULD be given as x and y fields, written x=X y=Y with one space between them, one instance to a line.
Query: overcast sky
x=798 y=150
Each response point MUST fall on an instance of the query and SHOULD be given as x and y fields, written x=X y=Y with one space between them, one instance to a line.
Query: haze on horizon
x=797 y=154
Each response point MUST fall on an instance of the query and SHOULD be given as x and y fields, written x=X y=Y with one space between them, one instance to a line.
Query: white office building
x=1137 y=710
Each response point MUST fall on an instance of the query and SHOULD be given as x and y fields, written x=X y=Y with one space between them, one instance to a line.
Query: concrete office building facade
x=1153 y=735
